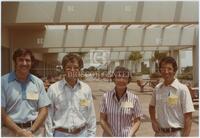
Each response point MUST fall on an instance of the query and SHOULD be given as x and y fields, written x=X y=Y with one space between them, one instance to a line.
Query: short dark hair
x=122 y=69
x=169 y=60
x=70 y=58
x=23 y=52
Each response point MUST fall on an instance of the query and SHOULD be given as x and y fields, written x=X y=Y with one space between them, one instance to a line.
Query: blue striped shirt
x=120 y=114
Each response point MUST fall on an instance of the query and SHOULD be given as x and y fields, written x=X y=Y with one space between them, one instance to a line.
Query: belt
x=71 y=131
x=26 y=125
x=167 y=130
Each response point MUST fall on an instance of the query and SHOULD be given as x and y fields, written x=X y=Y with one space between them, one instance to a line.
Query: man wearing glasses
x=71 y=113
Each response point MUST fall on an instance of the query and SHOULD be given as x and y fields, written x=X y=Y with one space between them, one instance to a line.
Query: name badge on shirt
x=84 y=102
x=172 y=100
x=127 y=105
x=32 y=96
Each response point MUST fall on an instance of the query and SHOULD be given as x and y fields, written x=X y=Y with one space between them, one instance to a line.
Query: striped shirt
x=120 y=114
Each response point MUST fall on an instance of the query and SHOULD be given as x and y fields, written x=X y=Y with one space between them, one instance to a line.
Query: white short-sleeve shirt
x=171 y=103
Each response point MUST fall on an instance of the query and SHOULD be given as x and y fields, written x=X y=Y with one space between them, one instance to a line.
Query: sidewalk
x=145 y=130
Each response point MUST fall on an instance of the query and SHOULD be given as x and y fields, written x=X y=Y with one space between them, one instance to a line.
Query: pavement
x=100 y=86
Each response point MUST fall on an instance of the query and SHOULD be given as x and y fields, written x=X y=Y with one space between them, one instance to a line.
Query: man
x=172 y=102
x=72 y=111
x=120 y=111
x=23 y=99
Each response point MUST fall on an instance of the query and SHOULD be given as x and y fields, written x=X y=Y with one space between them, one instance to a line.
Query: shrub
x=155 y=75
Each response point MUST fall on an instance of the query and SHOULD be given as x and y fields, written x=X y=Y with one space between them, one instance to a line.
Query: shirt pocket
x=127 y=110
x=84 y=108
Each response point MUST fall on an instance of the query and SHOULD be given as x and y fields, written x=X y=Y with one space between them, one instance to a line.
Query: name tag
x=172 y=100
x=84 y=102
x=32 y=96
x=127 y=104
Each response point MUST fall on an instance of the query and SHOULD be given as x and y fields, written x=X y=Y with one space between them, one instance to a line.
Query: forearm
x=92 y=127
x=40 y=119
x=9 y=123
x=152 y=113
x=106 y=127
x=49 y=122
x=187 y=124
x=134 y=128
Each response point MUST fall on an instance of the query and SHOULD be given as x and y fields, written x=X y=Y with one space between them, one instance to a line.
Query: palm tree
x=135 y=56
x=157 y=57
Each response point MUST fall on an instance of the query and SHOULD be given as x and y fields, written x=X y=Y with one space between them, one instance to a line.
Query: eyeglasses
x=121 y=75
x=166 y=69
x=72 y=68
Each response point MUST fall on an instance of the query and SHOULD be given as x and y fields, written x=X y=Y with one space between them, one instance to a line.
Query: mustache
x=26 y=66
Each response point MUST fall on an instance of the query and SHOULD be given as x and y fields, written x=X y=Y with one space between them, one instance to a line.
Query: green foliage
x=144 y=69
x=82 y=54
x=188 y=69
x=155 y=75
x=185 y=77
x=137 y=74
x=187 y=73
x=135 y=56
x=92 y=68
x=158 y=55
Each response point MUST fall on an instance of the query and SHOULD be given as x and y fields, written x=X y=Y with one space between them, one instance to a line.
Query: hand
x=129 y=135
x=155 y=126
x=25 y=133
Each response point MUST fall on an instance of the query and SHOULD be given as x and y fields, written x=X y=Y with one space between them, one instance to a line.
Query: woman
x=120 y=111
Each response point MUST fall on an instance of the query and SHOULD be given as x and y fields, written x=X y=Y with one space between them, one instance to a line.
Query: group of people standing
x=67 y=109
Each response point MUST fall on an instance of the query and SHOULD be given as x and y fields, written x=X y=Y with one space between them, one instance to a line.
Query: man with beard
x=71 y=113
x=23 y=99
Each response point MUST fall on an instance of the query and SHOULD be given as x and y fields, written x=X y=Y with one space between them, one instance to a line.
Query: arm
x=188 y=108
x=40 y=119
x=135 y=127
x=91 y=120
x=49 y=120
x=9 y=123
x=152 y=113
x=187 y=124
x=104 y=124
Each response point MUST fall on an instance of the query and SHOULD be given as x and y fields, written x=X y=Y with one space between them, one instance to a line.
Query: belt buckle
x=70 y=130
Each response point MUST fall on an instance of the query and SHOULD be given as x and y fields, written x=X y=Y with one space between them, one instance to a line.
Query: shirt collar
x=174 y=84
x=12 y=76
x=114 y=93
x=65 y=83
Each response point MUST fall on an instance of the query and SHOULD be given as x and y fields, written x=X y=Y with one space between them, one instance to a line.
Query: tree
x=82 y=54
x=157 y=57
x=135 y=56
